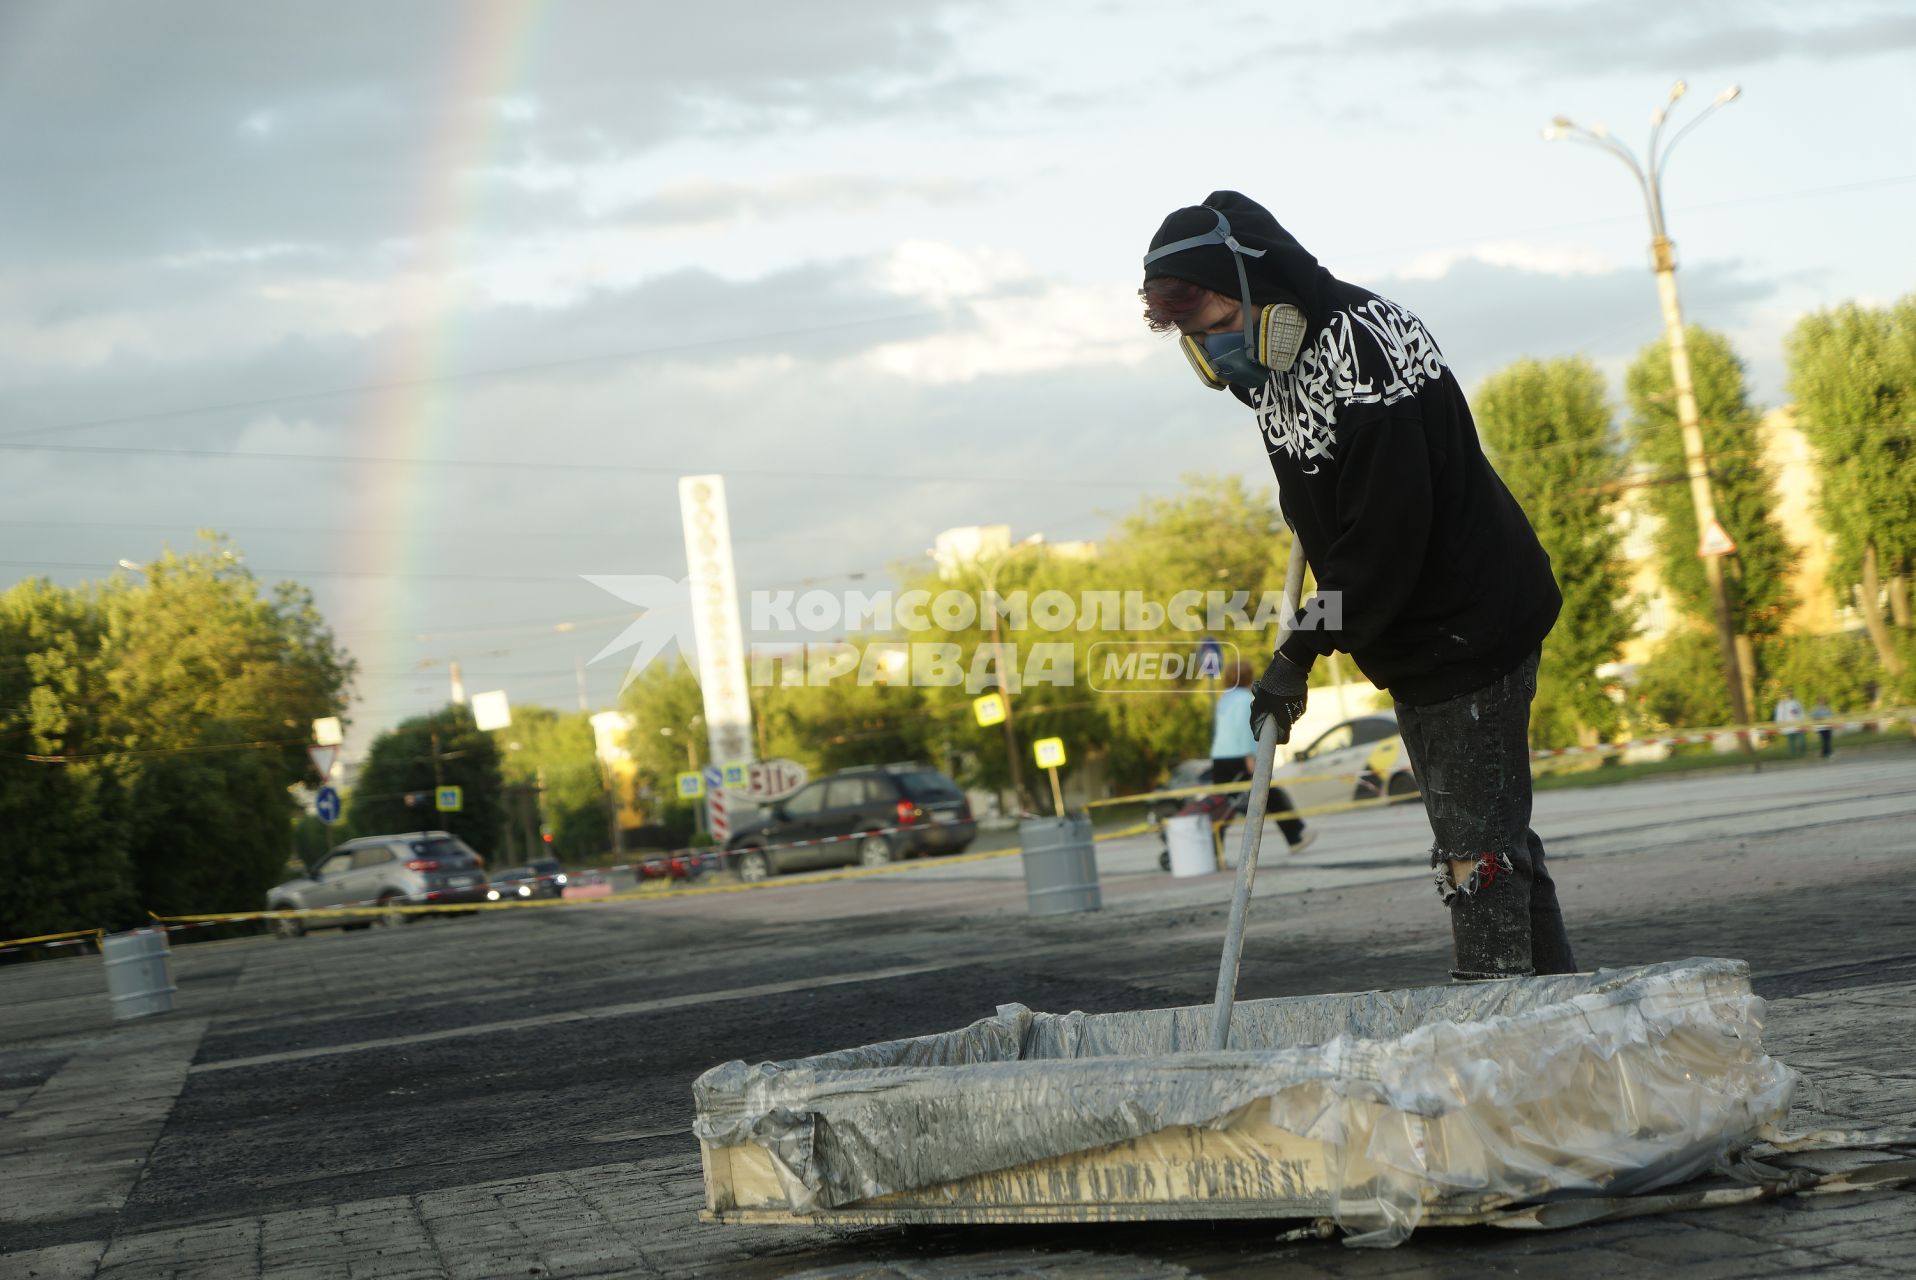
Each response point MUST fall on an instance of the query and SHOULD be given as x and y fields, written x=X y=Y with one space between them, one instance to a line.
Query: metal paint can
x=1061 y=865
x=138 y=981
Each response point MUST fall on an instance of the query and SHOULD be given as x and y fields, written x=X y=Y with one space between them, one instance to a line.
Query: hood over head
x=1286 y=273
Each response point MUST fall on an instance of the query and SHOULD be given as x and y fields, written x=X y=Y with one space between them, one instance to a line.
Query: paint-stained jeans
x=1471 y=756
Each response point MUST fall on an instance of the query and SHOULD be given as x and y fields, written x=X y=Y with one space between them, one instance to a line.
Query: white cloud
x=941 y=274
x=1007 y=319
x=275 y=434
x=518 y=108
x=1045 y=330
x=235 y=256
x=1521 y=255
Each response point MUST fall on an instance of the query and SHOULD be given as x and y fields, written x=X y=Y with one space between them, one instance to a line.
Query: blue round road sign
x=326 y=805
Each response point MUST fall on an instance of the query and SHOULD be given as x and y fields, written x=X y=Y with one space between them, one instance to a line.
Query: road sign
x=737 y=775
x=1716 y=541
x=491 y=711
x=1210 y=657
x=449 y=799
x=691 y=785
x=327 y=732
x=990 y=709
x=322 y=758
x=326 y=805
x=1049 y=752
x=772 y=780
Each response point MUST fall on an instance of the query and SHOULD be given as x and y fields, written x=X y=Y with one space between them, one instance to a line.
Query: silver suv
x=422 y=868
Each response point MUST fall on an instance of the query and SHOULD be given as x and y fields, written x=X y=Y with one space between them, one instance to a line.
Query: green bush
x=1682 y=683
x=1837 y=667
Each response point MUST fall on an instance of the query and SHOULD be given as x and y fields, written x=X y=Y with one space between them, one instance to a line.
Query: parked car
x=542 y=879
x=1356 y=759
x=879 y=814
x=686 y=864
x=419 y=868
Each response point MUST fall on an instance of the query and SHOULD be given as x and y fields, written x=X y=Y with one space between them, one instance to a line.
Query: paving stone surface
x=509 y=1096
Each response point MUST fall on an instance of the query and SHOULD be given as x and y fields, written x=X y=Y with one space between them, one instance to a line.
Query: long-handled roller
x=1253 y=827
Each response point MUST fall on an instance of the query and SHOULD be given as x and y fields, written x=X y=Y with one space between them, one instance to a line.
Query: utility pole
x=539 y=803
x=989 y=603
x=607 y=781
x=1696 y=459
x=1004 y=689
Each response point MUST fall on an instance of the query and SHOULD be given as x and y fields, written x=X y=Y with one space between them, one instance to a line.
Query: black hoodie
x=1444 y=586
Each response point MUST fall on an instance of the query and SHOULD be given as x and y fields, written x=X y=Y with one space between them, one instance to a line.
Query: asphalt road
x=551 y=1051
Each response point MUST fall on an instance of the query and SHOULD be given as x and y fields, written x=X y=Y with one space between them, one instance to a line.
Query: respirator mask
x=1270 y=338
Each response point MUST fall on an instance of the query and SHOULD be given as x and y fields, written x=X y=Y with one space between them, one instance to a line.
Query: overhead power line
x=1045 y=481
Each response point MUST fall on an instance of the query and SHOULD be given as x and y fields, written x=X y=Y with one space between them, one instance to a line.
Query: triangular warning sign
x=1715 y=541
x=322 y=758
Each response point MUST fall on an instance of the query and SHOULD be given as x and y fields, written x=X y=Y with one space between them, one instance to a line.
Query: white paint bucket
x=137 y=978
x=1192 y=851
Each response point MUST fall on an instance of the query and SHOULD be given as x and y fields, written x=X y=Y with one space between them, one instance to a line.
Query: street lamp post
x=990 y=576
x=1649 y=180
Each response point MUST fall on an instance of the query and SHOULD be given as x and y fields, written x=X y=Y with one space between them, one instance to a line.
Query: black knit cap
x=1286 y=273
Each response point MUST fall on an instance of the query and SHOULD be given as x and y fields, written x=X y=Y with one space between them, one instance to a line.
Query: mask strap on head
x=1221 y=234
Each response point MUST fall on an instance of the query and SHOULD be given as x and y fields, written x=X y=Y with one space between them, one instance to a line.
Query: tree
x=668 y=736
x=1756 y=577
x=63 y=823
x=552 y=756
x=149 y=731
x=1853 y=373
x=394 y=792
x=1682 y=683
x=214 y=683
x=943 y=712
x=1547 y=426
x=1216 y=534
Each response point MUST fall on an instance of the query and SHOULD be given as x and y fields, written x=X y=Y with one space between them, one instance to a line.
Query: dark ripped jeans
x=1471 y=756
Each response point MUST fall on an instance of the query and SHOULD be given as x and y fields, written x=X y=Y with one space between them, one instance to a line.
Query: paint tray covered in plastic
x=1381 y=1110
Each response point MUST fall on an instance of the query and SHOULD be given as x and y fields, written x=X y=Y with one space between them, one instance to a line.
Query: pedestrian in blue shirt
x=1234 y=751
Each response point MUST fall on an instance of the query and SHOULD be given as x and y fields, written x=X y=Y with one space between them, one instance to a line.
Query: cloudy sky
x=428 y=305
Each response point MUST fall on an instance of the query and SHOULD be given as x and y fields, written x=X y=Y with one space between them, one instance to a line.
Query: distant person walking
x=1822 y=714
x=1790 y=712
x=1234 y=751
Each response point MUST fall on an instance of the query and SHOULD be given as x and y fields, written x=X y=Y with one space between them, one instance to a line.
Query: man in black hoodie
x=1446 y=593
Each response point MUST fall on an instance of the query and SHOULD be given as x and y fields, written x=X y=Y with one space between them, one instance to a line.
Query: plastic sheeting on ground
x=1447 y=1099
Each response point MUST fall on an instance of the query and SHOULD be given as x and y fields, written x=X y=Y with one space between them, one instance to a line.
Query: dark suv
x=878 y=814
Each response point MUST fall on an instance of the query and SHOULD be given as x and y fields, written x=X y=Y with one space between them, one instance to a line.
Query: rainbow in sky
x=488 y=45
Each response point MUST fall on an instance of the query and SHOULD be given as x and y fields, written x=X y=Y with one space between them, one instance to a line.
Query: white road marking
x=579 y=1015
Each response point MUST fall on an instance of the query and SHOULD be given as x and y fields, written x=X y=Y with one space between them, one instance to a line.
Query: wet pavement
x=509 y=1095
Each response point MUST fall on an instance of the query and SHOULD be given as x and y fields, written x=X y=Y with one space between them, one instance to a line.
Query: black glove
x=1280 y=693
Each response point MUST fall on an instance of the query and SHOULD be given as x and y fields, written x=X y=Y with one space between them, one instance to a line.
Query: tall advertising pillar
x=715 y=626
